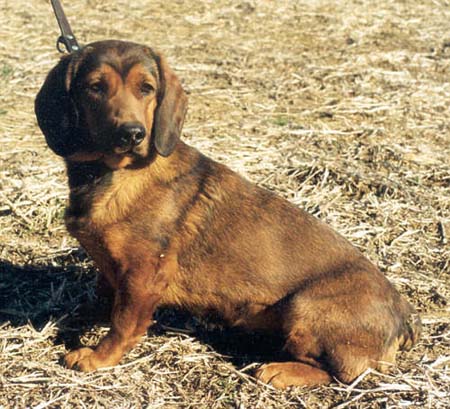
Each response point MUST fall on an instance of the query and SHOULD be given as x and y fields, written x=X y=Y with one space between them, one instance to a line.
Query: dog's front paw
x=82 y=359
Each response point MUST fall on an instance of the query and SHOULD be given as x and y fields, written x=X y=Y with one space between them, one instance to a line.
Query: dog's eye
x=96 y=88
x=147 y=88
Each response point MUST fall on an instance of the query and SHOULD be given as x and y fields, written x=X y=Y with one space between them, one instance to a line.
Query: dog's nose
x=131 y=134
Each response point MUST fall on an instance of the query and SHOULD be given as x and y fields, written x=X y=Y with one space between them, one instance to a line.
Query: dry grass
x=341 y=107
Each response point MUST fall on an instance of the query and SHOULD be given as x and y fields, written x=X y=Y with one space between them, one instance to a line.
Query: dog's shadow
x=64 y=293
x=58 y=291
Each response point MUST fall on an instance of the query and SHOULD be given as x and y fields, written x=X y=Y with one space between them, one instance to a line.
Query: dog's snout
x=130 y=134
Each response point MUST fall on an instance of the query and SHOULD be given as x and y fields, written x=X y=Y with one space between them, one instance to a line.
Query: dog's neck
x=83 y=174
x=95 y=179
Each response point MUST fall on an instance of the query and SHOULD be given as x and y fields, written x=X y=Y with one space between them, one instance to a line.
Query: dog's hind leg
x=339 y=330
x=305 y=371
x=315 y=363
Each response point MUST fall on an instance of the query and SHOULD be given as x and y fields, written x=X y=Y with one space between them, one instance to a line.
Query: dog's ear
x=55 y=112
x=171 y=109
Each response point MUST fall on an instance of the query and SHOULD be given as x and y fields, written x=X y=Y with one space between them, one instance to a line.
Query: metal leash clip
x=69 y=42
x=67 y=38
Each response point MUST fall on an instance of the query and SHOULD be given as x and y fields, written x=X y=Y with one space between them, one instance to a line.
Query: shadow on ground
x=65 y=294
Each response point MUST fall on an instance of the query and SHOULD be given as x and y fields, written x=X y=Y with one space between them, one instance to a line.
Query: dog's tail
x=411 y=330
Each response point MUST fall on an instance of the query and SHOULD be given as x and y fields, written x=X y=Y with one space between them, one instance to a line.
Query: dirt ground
x=342 y=107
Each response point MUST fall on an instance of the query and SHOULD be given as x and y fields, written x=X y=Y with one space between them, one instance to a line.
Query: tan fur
x=114 y=202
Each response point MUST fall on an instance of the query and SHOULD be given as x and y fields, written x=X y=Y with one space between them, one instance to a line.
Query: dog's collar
x=67 y=38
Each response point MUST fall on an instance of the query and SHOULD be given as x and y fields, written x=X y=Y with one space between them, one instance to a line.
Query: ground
x=341 y=107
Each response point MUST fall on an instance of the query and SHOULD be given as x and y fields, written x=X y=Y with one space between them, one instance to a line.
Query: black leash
x=67 y=37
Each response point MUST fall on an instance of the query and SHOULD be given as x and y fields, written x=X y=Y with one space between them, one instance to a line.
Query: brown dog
x=168 y=226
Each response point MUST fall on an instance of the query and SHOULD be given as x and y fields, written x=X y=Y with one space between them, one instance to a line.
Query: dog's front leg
x=136 y=298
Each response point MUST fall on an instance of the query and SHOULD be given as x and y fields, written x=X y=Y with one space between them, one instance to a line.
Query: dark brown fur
x=168 y=226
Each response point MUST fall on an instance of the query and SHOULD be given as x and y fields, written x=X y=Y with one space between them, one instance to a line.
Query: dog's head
x=113 y=101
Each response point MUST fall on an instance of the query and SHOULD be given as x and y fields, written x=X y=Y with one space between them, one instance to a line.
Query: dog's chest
x=119 y=221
